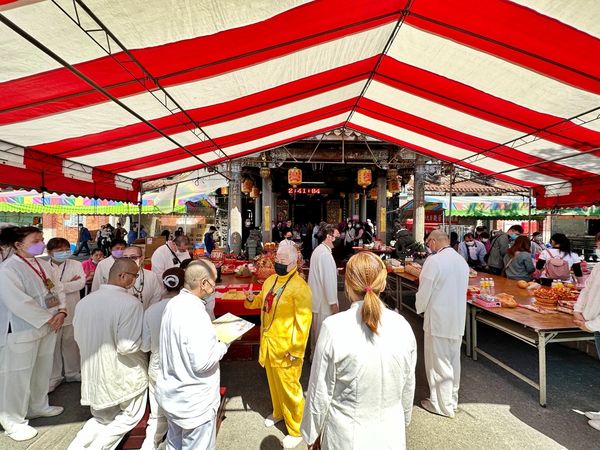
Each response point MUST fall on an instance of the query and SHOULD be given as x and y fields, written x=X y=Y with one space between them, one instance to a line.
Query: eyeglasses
x=135 y=275
x=211 y=284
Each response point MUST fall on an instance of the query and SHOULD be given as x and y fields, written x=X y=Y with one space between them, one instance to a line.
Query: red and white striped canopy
x=97 y=95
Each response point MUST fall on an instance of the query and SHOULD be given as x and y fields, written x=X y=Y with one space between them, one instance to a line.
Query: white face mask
x=470 y=243
x=598 y=252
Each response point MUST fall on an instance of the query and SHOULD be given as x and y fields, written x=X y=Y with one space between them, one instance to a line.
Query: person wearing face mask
x=322 y=280
x=484 y=238
x=117 y=247
x=171 y=254
x=89 y=266
x=499 y=247
x=68 y=272
x=32 y=311
x=288 y=239
x=286 y=314
x=156 y=428
x=441 y=296
x=114 y=370
x=473 y=251
x=188 y=379
x=586 y=316
x=537 y=245
x=148 y=287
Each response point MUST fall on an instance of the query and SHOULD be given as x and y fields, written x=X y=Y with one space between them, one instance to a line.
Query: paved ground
x=497 y=410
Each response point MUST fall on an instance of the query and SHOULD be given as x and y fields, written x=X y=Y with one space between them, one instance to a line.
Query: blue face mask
x=61 y=256
x=117 y=253
x=514 y=236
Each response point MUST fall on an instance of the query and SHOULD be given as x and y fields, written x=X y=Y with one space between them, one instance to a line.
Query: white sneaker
x=50 y=411
x=592 y=415
x=270 y=420
x=594 y=424
x=291 y=441
x=22 y=433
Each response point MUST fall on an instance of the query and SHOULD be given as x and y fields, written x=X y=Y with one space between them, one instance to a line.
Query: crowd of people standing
x=146 y=336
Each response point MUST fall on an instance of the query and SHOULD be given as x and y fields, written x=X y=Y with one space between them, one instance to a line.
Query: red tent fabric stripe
x=506 y=88
x=194 y=59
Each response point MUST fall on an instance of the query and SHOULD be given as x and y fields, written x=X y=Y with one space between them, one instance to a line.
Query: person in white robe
x=172 y=254
x=587 y=317
x=70 y=273
x=322 y=279
x=114 y=370
x=117 y=247
x=148 y=287
x=362 y=380
x=187 y=386
x=32 y=310
x=156 y=429
x=442 y=296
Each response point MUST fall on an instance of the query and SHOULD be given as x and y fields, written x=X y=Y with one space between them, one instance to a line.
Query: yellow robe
x=284 y=330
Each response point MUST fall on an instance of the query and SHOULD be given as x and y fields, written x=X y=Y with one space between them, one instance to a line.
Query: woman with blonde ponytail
x=362 y=380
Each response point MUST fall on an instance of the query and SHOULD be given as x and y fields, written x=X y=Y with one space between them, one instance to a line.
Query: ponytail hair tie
x=368 y=289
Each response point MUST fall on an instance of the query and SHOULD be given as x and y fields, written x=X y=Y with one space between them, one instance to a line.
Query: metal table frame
x=536 y=338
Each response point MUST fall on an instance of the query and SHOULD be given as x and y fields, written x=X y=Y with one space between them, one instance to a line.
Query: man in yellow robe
x=286 y=313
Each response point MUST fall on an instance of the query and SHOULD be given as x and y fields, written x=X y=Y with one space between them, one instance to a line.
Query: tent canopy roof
x=96 y=97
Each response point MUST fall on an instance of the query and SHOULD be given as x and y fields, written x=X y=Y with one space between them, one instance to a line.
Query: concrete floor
x=497 y=411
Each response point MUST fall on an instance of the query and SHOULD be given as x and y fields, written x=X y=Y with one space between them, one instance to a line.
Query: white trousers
x=442 y=366
x=203 y=437
x=25 y=369
x=156 y=429
x=66 y=355
x=107 y=427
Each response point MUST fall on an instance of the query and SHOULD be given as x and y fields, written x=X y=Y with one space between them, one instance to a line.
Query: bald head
x=123 y=273
x=437 y=240
x=200 y=277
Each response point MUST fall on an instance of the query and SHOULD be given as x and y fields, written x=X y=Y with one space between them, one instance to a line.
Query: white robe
x=26 y=353
x=162 y=259
x=361 y=387
x=66 y=353
x=187 y=387
x=588 y=303
x=442 y=296
x=150 y=285
x=108 y=330
x=322 y=279
x=101 y=273
x=157 y=423
x=22 y=303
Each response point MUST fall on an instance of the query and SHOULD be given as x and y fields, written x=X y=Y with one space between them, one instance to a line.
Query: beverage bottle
x=492 y=286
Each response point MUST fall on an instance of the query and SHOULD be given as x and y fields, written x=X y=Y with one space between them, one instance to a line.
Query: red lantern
x=294 y=176
x=373 y=193
x=393 y=185
x=255 y=192
x=225 y=190
x=247 y=186
x=364 y=178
